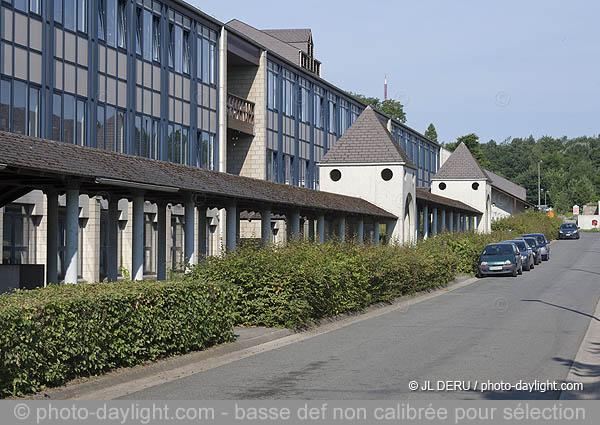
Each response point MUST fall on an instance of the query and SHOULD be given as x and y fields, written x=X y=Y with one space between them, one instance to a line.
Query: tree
x=390 y=107
x=472 y=142
x=430 y=133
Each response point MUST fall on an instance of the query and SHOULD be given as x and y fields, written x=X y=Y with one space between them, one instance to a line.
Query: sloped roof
x=461 y=165
x=424 y=194
x=45 y=162
x=507 y=186
x=366 y=141
x=301 y=35
x=268 y=41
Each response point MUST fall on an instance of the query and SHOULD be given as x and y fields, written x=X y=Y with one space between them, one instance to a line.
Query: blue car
x=543 y=242
x=527 y=257
x=500 y=258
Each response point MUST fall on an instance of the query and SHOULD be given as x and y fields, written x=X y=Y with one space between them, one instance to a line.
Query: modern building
x=162 y=86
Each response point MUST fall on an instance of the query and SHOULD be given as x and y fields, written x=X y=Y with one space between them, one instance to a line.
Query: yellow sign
x=550 y=214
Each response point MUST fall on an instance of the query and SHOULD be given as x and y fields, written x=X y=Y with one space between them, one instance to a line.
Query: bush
x=302 y=282
x=54 y=334
x=529 y=222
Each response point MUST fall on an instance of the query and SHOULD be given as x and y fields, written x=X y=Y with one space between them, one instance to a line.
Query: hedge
x=51 y=335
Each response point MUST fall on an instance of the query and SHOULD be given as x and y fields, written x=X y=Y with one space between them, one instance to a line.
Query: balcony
x=240 y=114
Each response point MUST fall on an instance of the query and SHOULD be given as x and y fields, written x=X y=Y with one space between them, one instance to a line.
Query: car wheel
x=515 y=272
x=521 y=269
x=527 y=267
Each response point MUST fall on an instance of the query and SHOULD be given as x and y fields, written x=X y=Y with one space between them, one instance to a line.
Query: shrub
x=530 y=222
x=54 y=334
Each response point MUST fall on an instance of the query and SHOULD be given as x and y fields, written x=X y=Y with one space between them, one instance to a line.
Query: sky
x=498 y=69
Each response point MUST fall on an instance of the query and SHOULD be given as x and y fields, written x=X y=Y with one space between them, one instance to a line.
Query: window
x=289 y=100
x=69 y=11
x=178 y=46
x=21 y=5
x=81 y=124
x=122 y=24
x=81 y=15
x=272 y=90
x=343 y=119
x=387 y=174
x=271 y=165
x=205 y=61
x=139 y=24
x=120 y=142
x=335 y=175
x=171 y=45
x=150 y=234
x=100 y=127
x=68 y=118
x=56 y=117
x=318 y=111
x=186 y=52
x=19 y=107
x=101 y=19
x=109 y=128
x=176 y=241
x=304 y=104
x=156 y=38
x=147 y=31
x=34 y=113
x=5 y=91
x=212 y=55
x=331 y=118
x=18 y=236
x=111 y=22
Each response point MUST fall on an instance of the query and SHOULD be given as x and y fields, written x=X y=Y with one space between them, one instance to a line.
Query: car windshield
x=498 y=249
x=569 y=226
x=521 y=244
x=530 y=242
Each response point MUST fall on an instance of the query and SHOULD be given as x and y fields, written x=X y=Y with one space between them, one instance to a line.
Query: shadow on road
x=585 y=271
x=564 y=308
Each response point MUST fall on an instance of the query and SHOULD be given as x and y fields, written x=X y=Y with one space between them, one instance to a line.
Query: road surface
x=498 y=329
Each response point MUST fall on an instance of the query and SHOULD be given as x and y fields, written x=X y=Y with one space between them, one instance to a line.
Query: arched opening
x=409 y=213
x=488 y=213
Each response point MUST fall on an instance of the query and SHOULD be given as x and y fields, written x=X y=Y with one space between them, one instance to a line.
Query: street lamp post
x=539 y=192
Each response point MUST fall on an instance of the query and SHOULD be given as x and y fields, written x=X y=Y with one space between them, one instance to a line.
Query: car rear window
x=521 y=244
x=498 y=249
x=569 y=226
x=540 y=239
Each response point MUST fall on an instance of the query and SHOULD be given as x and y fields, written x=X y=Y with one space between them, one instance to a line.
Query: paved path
x=498 y=329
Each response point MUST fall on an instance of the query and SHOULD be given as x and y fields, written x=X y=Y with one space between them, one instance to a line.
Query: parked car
x=568 y=231
x=535 y=247
x=544 y=245
x=526 y=254
x=500 y=258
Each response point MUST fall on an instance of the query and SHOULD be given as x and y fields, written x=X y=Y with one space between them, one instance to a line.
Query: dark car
x=500 y=258
x=526 y=253
x=568 y=231
x=544 y=245
x=535 y=247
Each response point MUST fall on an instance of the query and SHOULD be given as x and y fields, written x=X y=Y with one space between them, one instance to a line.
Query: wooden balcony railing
x=240 y=114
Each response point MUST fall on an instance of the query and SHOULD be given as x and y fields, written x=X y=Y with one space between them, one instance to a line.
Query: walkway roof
x=28 y=163
x=424 y=195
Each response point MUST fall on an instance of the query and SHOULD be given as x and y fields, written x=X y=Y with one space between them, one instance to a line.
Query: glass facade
x=131 y=76
x=304 y=118
x=423 y=153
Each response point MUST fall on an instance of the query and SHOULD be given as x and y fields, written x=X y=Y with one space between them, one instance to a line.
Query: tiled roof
x=424 y=194
x=57 y=163
x=461 y=165
x=366 y=141
x=290 y=35
x=268 y=41
x=507 y=186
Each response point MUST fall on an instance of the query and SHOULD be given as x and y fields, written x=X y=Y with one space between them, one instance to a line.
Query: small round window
x=442 y=186
x=475 y=186
x=386 y=174
x=335 y=175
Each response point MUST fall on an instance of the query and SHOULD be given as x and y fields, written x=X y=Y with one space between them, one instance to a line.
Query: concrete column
x=137 y=239
x=52 y=236
x=223 y=101
x=360 y=231
x=265 y=226
x=72 y=242
x=434 y=227
x=451 y=223
x=418 y=223
x=161 y=247
x=231 y=228
x=112 y=239
x=425 y=221
x=189 y=249
x=201 y=243
x=443 y=220
x=376 y=236
x=342 y=228
x=321 y=228
x=293 y=225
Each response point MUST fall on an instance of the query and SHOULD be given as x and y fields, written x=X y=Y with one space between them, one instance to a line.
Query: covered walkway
x=28 y=163
x=437 y=214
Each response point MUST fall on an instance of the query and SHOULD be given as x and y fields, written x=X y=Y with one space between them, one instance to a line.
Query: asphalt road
x=498 y=329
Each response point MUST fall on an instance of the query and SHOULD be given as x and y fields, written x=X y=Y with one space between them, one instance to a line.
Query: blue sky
x=498 y=69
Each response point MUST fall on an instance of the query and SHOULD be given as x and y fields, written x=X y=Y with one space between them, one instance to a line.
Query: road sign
x=550 y=214
x=575 y=209
x=594 y=223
